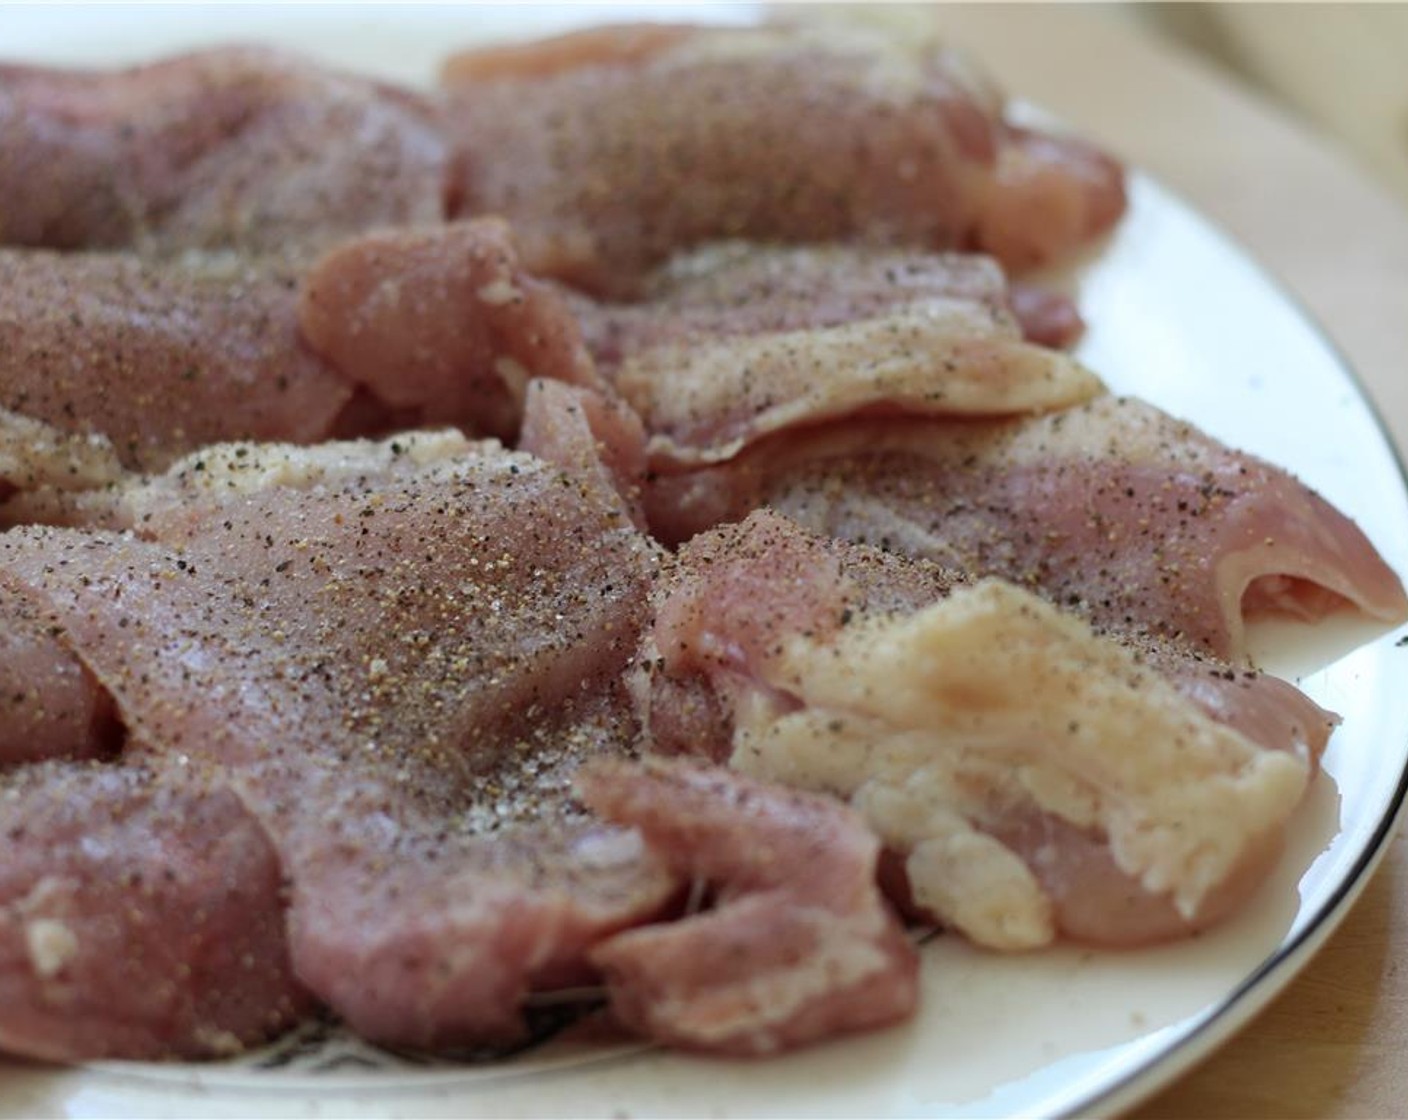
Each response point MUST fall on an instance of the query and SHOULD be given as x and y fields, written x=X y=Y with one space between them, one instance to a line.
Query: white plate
x=1177 y=315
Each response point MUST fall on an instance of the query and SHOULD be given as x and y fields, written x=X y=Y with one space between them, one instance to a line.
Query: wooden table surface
x=1335 y=1044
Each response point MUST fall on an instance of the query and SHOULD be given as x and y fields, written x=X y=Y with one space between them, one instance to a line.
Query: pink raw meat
x=798 y=945
x=756 y=621
x=398 y=677
x=441 y=325
x=1113 y=509
x=611 y=149
x=50 y=706
x=159 y=358
x=141 y=916
x=234 y=148
x=732 y=343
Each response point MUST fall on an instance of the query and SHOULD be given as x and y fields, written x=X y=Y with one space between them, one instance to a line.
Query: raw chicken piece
x=138 y=362
x=799 y=944
x=141 y=916
x=612 y=149
x=110 y=361
x=442 y=325
x=591 y=434
x=1036 y=779
x=398 y=677
x=397 y=655
x=234 y=148
x=733 y=343
x=1122 y=513
x=50 y=706
x=181 y=502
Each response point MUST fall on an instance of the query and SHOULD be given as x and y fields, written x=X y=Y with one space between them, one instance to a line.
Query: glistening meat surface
x=1037 y=780
x=1113 y=509
x=612 y=149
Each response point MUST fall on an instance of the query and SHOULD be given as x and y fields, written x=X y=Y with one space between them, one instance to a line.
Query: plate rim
x=1217 y=1025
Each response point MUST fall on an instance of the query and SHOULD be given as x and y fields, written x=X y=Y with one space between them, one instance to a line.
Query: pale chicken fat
x=155 y=504
x=35 y=454
x=926 y=722
x=733 y=343
x=1022 y=817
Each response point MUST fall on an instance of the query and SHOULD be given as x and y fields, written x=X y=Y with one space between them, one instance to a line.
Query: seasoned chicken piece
x=798 y=945
x=1036 y=780
x=612 y=149
x=398 y=676
x=138 y=362
x=111 y=361
x=235 y=148
x=443 y=326
x=1124 y=514
x=733 y=343
x=141 y=916
x=50 y=706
